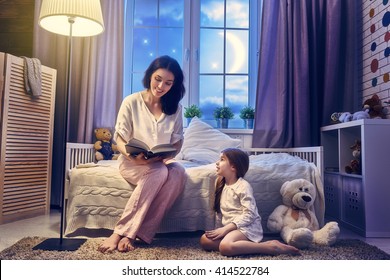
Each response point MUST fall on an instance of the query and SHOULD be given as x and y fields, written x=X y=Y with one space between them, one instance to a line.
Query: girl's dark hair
x=240 y=160
x=170 y=101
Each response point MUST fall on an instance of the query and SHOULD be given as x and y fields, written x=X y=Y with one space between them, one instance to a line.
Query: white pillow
x=203 y=143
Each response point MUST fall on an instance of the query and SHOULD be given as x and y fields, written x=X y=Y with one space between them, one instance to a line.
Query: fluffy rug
x=186 y=248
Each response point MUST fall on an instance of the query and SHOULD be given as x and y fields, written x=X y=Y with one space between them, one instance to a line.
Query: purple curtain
x=307 y=69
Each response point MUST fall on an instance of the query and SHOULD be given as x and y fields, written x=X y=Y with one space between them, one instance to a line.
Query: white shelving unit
x=359 y=201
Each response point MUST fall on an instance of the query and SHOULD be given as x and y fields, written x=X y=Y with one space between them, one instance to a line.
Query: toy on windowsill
x=295 y=219
x=354 y=166
x=372 y=109
x=105 y=149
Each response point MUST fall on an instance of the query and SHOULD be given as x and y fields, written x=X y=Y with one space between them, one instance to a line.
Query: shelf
x=358 y=201
x=344 y=174
x=356 y=123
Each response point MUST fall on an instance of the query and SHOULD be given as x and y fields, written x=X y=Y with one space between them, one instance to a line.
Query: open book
x=134 y=147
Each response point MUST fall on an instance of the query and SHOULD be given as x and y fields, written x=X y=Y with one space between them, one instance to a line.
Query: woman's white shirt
x=136 y=121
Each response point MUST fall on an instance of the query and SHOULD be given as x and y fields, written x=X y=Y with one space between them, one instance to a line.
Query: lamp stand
x=61 y=244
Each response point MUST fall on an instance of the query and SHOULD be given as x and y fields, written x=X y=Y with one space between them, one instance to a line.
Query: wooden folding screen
x=26 y=124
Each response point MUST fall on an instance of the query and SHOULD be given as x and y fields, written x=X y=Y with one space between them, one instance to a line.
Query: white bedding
x=98 y=193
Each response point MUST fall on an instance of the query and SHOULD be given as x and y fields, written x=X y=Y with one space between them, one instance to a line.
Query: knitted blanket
x=32 y=76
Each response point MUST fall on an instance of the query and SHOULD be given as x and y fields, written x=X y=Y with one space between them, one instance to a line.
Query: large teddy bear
x=105 y=149
x=296 y=221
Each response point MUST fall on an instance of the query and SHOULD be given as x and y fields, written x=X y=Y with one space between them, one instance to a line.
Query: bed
x=96 y=194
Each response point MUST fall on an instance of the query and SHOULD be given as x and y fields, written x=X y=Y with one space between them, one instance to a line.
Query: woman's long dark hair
x=170 y=101
x=240 y=160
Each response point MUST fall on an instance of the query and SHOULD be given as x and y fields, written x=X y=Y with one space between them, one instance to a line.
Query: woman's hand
x=141 y=160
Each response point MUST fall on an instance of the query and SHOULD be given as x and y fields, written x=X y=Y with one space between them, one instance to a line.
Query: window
x=215 y=41
x=153 y=28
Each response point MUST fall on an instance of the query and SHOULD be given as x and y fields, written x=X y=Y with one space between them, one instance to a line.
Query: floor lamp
x=72 y=18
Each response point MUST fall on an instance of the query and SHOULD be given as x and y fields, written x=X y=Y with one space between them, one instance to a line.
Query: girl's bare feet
x=277 y=248
x=125 y=245
x=110 y=244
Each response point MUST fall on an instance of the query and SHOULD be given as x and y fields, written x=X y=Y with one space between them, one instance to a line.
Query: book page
x=135 y=147
x=138 y=144
x=163 y=148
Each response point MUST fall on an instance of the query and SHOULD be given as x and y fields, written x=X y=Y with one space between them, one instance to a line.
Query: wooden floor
x=48 y=226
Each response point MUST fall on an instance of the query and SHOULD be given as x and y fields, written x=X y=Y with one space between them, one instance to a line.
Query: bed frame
x=311 y=154
x=76 y=153
x=79 y=153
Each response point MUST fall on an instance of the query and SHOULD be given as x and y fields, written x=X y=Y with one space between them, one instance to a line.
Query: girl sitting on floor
x=241 y=230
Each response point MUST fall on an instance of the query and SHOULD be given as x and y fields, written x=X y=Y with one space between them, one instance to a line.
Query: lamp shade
x=87 y=16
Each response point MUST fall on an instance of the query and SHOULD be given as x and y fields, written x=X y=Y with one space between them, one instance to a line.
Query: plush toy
x=105 y=149
x=341 y=117
x=295 y=219
x=354 y=166
x=372 y=109
x=347 y=116
x=360 y=115
x=374 y=105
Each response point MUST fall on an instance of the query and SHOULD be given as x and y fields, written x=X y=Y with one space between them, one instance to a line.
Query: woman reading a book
x=153 y=116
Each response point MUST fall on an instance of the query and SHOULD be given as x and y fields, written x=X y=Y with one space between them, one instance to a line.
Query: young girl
x=241 y=230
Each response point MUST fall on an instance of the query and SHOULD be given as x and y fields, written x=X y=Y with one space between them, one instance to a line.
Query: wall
x=376 y=51
x=16 y=27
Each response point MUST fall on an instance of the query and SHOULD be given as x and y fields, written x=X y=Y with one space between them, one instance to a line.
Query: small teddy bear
x=354 y=166
x=374 y=105
x=295 y=219
x=105 y=149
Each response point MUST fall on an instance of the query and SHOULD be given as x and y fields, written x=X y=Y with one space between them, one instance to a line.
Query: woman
x=153 y=116
x=241 y=230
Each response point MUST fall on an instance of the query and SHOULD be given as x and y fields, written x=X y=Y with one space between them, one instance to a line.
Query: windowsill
x=236 y=130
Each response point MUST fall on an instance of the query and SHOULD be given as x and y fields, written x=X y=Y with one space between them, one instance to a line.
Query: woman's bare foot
x=125 y=244
x=277 y=248
x=110 y=244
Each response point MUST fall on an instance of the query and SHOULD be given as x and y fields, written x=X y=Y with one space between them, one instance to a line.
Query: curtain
x=101 y=92
x=307 y=69
x=96 y=85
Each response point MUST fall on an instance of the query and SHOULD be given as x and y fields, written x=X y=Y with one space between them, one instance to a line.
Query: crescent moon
x=239 y=52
